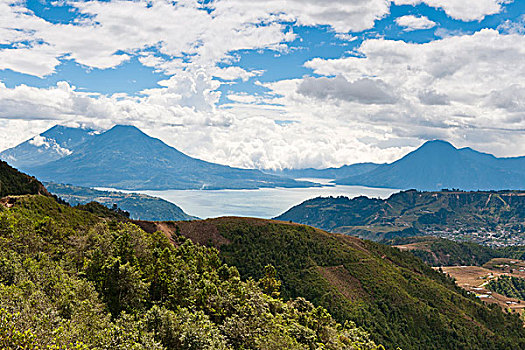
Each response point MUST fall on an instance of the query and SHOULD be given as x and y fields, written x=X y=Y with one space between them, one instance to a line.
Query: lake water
x=262 y=203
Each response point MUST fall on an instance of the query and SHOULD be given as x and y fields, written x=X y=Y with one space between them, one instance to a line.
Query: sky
x=270 y=84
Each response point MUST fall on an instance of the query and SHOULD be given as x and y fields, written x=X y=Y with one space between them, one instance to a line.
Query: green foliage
x=269 y=283
x=13 y=182
x=509 y=286
x=411 y=213
x=11 y=337
x=397 y=298
x=442 y=252
x=72 y=280
x=512 y=252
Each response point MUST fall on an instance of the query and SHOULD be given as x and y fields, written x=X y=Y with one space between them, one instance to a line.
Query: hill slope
x=392 y=294
x=73 y=280
x=438 y=164
x=485 y=217
x=443 y=252
x=13 y=182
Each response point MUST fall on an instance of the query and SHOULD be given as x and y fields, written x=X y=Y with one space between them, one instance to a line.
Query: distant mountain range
x=434 y=166
x=139 y=206
x=492 y=218
x=52 y=144
x=126 y=158
x=437 y=165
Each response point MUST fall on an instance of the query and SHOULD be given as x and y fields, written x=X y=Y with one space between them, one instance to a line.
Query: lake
x=262 y=203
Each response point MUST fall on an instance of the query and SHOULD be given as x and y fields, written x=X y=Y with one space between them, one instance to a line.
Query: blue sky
x=240 y=82
x=319 y=41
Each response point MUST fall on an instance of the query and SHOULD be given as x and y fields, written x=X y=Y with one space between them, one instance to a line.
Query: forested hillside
x=509 y=286
x=14 y=182
x=493 y=217
x=443 y=252
x=395 y=296
x=72 y=280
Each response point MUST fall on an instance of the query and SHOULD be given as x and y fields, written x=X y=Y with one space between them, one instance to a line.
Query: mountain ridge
x=438 y=165
x=50 y=145
x=451 y=214
x=14 y=182
x=124 y=157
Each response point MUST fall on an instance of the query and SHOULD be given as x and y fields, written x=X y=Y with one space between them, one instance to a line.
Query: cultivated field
x=475 y=278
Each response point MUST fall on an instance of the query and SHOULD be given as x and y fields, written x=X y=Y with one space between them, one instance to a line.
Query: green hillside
x=443 y=252
x=492 y=218
x=509 y=286
x=398 y=299
x=72 y=280
x=15 y=183
x=140 y=206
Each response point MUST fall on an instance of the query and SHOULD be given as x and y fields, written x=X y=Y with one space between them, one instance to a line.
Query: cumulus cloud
x=513 y=27
x=374 y=106
x=365 y=90
x=467 y=89
x=411 y=22
x=43 y=142
x=461 y=9
x=431 y=97
x=109 y=32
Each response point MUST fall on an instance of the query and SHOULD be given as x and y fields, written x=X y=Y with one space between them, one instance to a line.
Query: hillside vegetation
x=139 y=206
x=509 y=286
x=493 y=218
x=443 y=252
x=393 y=295
x=70 y=279
x=16 y=183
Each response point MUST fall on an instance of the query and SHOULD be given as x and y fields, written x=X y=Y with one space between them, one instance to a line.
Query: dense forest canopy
x=72 y=280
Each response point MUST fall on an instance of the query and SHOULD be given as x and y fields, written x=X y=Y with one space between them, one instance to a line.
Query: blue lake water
x=262 y=203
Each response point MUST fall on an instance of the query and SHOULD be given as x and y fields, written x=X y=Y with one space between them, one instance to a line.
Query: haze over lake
x=262 y=203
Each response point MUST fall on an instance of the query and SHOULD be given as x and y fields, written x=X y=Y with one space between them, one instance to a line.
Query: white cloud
x=43 y=142
x=513 y=27
x=242 y=98
x=111 y=31
x=39 y=141
x=234 y=73
x=365 y=90
x=461 y=9
x=411 y=22
x=468 y=89
x=374 y=107
x=345 y=37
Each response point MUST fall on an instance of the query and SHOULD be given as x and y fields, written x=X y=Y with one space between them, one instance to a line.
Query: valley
x=475 y=279
x=380 y=294
x=262 y=175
